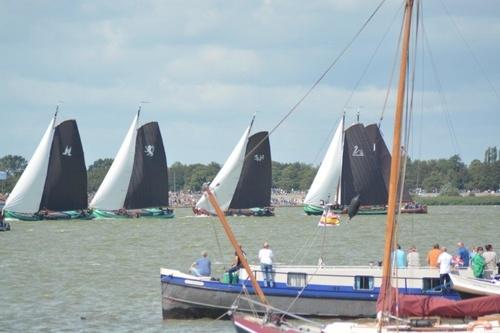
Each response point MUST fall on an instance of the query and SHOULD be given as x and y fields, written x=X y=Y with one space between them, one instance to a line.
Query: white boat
x=472 y=287
x=136 y=184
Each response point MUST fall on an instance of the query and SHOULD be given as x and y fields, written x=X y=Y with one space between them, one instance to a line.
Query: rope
x=322 y=76
x=445 y=110
x=396 y=15
x=310 y=242
x=217 y=239
x=471 y=51
x=391 y=76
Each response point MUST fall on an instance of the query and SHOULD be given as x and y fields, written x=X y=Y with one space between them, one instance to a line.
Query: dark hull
x=191 y=301
x=265 y=211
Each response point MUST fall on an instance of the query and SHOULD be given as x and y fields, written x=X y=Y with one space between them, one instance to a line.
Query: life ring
x=485 y=324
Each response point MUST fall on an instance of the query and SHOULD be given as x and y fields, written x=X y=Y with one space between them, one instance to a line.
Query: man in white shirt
x=266 y=264
x=444 y=262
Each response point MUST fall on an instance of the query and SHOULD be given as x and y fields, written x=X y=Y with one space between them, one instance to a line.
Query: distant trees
x=14 y=165
x=441 y=175
x=96 y=173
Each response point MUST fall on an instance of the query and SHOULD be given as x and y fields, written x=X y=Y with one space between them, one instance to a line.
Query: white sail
x=27 y=194
x=324 y=188
x=225 y=182
x=113 y=190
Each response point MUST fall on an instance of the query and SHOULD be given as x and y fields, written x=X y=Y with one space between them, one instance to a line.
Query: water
x=105 y=275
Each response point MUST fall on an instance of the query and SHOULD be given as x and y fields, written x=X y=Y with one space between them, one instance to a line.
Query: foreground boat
x=54 y=182
x=136 y=184
x=396 y=310
x=243 y=184
x=338 y=291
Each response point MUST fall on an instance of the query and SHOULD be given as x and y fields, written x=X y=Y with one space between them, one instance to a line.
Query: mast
x=395 y=162
x=235 y=244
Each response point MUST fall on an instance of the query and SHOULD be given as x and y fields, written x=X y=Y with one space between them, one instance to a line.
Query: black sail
x=383 y=156
x=148 y=185
x=66 y=183
x=361 y=173
x=254 y=185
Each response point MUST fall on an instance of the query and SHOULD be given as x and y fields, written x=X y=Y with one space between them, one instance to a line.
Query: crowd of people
x=279 y=198
x=483 y=261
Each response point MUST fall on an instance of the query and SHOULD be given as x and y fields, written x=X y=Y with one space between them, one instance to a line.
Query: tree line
x=447 y=176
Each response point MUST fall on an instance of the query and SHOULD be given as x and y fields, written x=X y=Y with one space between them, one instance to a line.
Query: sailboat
x=393 y=306
x=352 y=167
x=136 y=184
x=243 y=184
x=54 y=183
x=324 y=290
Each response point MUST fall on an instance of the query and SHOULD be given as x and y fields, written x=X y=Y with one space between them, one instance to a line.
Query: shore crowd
x=279 y=198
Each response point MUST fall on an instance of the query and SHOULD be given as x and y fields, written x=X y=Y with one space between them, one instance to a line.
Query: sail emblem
x=149 y=150
x=67 y=151
x=258 y=158
x=358 y=152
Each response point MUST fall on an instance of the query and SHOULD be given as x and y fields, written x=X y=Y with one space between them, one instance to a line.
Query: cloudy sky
x=207 y=66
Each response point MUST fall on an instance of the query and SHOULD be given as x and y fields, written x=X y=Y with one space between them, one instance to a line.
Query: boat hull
x=21 y=217
x=257 y=211
x=472 y=287
x=213 y=299
x=313 y=210
x=329 y=292
x=150 y=213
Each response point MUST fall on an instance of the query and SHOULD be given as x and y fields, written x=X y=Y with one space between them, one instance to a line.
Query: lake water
x=104 y=275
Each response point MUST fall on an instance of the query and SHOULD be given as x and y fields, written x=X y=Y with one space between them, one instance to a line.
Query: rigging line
x=471 y=51
x=409 y=113
x=368 y=65
x=304 y=245
x=308 y=246
x=326 y=141
x=421 y=122
x=445 y=110
x=217 y=239
x=322 y=76
x=391 y=76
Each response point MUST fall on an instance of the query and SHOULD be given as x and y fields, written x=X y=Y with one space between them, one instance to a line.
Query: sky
x=204 y=67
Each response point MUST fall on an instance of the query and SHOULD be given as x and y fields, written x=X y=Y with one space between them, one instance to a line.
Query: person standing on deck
x=413 y=257
x=490 y=258
x=266 y=264
x=444 y=261
x=463 y=253
x=433 y=255
x=399 y=257
x=478 y=263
